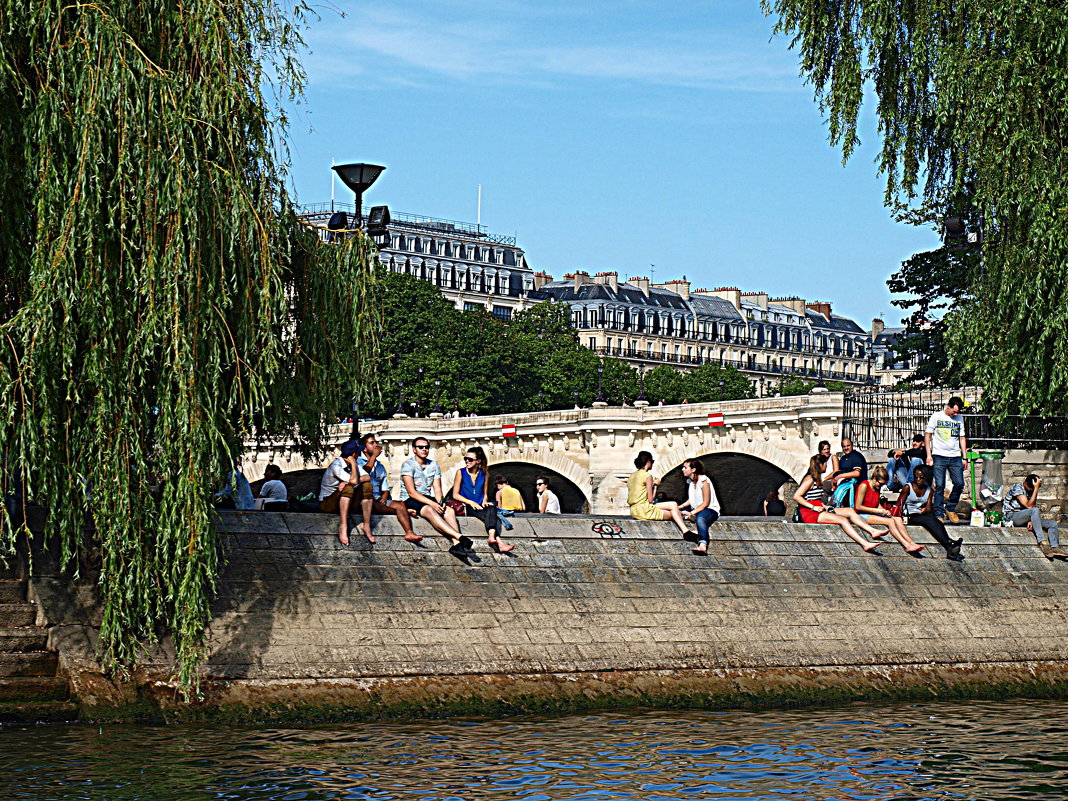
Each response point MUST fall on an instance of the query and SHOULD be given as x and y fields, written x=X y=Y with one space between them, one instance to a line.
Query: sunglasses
x=470 y=459
x=422 y=447
x=539 y=483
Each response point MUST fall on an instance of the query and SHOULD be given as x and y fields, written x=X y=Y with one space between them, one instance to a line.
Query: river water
x=977 y=750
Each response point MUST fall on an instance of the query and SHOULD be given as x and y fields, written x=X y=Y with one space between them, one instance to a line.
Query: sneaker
x=1058 y=551
x=1044 y=547
x=957 y=542
x=953 y=517
x=955 y=556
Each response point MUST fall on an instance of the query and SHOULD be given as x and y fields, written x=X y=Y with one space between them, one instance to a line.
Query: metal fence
x=884 y=420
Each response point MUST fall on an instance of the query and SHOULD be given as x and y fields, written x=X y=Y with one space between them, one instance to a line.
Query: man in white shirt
x=272 y=490
x=946 y=448
x=383 y=504
x=342 y=480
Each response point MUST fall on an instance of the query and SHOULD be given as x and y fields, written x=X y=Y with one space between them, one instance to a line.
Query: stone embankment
x=777 y=613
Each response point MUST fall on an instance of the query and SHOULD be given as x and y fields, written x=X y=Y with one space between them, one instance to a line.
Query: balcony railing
x=741 y=364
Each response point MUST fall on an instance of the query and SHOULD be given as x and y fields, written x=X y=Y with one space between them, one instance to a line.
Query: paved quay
x=777 y=613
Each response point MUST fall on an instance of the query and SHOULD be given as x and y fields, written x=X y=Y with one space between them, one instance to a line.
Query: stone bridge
x=588 y=453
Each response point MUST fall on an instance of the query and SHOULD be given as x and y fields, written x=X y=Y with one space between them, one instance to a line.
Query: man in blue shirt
x=381 y=503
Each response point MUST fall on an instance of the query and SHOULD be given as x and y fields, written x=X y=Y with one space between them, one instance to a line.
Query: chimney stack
x=731 y=293
x=820 y=307
x=608 y=279
x=794 y=304
x=541 y=279
x=877 y=327
x=641 y=283
x=581 y=277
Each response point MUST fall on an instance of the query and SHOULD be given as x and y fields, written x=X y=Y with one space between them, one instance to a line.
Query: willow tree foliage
x=159 y=301
x=972 y=106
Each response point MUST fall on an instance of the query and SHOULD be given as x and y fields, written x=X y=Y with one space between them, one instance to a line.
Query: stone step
x=33 y=688
x=38 y=712
x=12 y=591
x=28 y=663
x=30 y=638
x=14 y=615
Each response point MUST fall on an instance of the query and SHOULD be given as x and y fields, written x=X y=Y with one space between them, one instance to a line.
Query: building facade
x=768 y=339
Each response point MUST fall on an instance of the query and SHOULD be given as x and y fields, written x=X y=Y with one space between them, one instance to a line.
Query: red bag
x=457 y=506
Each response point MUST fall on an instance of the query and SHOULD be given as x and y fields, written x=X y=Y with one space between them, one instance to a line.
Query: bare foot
x=914 y=548
x=367 y=533
x=700 y=551
x=871 y=546
x=503 y=547
x=876 y=534
x=343 y=535
x=411 y=536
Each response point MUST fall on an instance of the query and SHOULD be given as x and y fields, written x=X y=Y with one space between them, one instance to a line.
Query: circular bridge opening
x=741 y=481
x=522 y=476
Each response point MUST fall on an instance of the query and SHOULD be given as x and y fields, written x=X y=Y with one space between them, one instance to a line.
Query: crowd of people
x=837 y=489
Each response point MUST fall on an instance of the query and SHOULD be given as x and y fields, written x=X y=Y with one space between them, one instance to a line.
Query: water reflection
x=962 y=751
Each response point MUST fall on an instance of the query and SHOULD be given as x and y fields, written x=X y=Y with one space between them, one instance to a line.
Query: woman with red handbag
x=868 y=504
x=471 y=488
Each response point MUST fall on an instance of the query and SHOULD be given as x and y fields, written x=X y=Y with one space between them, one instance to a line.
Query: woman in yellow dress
x=641 y=495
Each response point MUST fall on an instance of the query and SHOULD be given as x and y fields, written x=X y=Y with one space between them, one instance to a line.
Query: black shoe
x=691 y=536
x=957 y=542
x=465 y=544
x=955 y=555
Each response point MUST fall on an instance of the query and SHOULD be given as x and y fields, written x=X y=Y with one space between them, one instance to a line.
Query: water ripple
x=1014 y=751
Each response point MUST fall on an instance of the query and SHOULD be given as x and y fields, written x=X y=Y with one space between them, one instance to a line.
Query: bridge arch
x=740 y=479
x=521 y=475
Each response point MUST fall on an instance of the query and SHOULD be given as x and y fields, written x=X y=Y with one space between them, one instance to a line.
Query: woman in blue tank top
x=469 y=487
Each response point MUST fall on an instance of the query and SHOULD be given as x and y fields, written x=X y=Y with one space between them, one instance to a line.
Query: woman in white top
x=548 y=503
x=830 y=467
x=702 y=506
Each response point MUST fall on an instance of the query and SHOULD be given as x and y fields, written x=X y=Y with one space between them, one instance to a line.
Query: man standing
x=382 y=504
x=946 y=448
x=421 y=493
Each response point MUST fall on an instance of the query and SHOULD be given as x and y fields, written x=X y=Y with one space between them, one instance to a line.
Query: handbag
x=457 y=506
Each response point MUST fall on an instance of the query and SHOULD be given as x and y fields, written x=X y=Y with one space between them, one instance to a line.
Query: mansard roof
x=837 y=323
x=711 y=306
x=626 y=293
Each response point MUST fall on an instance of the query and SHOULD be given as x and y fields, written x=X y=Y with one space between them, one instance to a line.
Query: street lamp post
x=599 y=400
x=358 y=178
x=541 y=401
x=576 y=399
x=400 y=400
x=437 y=397
x=641 y=400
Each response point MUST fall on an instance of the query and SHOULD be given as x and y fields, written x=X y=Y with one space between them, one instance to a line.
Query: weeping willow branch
x=157 y=292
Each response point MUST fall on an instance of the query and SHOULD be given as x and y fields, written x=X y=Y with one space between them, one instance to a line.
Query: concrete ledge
x=778 y=613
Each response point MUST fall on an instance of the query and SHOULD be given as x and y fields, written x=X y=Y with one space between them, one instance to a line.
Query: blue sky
x=608 y=135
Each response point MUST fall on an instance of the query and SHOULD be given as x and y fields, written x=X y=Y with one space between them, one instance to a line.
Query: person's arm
x=927 y=447
x=384 y=488
x=485 y=489
x=963 y=444
x=497 y=498
x=765 y=507
x=1029 y=502
x=543 y=501
x=858 y=501
x=706 y=497
x=928 y=507
x=902 y=497
x=457 y=483
x=799 y=496
x=650 y=489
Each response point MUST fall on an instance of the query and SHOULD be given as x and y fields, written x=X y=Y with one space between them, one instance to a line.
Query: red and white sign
x=715 y=419
x=508 y=430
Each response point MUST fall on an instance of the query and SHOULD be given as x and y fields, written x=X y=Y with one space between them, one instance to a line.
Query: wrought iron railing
x=883 y=420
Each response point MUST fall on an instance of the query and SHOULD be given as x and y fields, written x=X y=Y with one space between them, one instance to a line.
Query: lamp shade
x=358 y=177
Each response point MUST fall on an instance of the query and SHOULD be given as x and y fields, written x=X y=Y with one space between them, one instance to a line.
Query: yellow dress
x=638 y=498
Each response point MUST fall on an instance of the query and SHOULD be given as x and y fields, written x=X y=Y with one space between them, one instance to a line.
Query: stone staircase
x=30 y=690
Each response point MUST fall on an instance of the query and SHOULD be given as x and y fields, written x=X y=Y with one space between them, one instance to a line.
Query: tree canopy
x=487 y=366
x=159 y=301
x=972 y=107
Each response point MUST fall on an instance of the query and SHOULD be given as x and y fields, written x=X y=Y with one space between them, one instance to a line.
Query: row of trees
x=484 y=365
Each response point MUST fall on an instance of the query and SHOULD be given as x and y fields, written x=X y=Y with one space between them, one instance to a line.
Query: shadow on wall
x=522 y=475
x=741 y=482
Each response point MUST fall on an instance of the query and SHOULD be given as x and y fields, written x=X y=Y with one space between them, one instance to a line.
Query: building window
x=593 y=343
x=469 y=306
x=502 y=312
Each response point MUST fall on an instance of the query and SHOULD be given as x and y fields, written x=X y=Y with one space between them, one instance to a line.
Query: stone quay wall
x=777 y=613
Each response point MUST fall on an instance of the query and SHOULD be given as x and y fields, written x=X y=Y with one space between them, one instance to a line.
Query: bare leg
x=343 y=526
x=901 y=534
x=843 y=523
x=434 y=518
x=365 y=507
x=854 y=518
x=672 y=509
x=404 y=517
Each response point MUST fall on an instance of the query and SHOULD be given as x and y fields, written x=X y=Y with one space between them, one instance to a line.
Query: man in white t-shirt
x=946 y=448
x=342 y=481
x=272 y=490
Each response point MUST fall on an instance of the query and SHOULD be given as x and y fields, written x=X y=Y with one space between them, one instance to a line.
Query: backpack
x=843 y=495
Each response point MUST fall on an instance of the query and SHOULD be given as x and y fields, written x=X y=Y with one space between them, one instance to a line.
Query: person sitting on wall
x=702 y=505
x=342 y=481
x=917 y=505
x=900 y=464
x=830 y=465
x=868 y=504
x=272 y=490
x=852 y=469
x=548 y=503
x=1020 y=508
x=382 y=503
x=641 y=495
x=773 y=505
x=508 y=497
x=809 y=499
x=421 y=493
x=471 y=488
x=237 y=494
